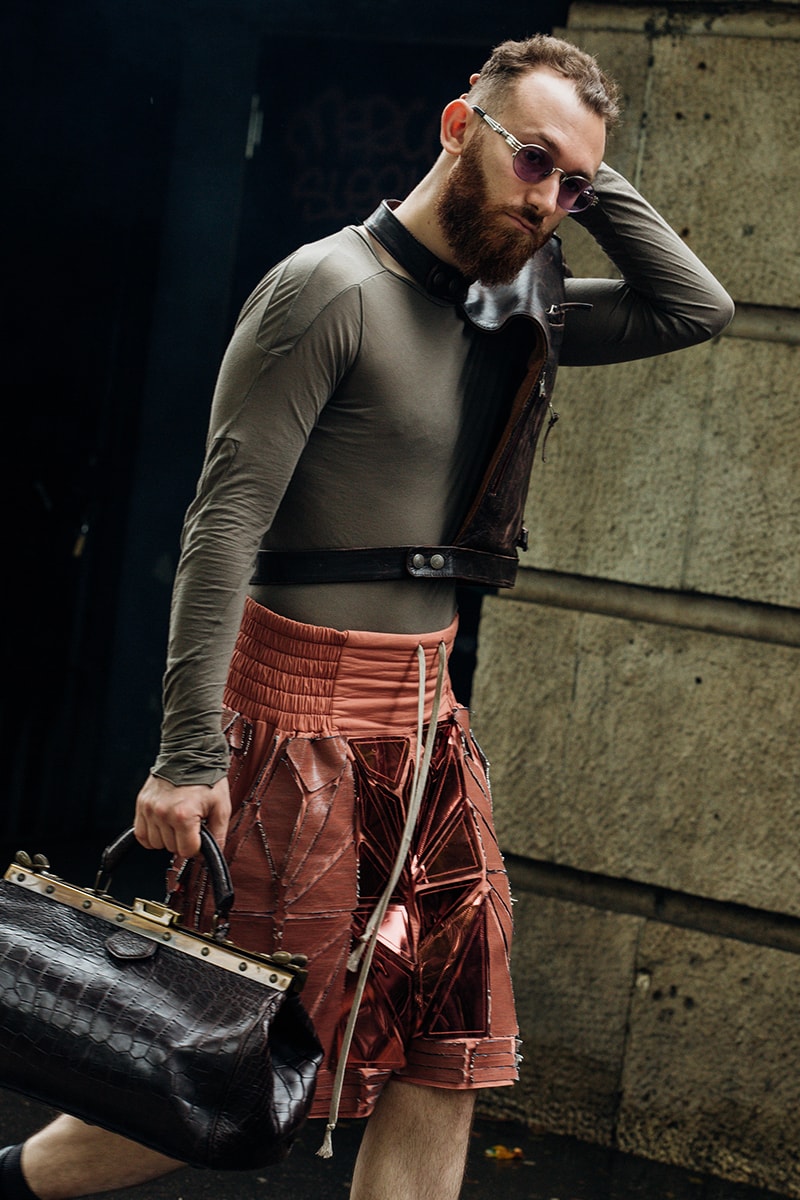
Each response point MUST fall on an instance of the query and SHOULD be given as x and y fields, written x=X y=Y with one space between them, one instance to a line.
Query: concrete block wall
x=638 y=693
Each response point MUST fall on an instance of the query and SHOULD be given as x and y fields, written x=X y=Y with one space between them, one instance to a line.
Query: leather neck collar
x=437 y=277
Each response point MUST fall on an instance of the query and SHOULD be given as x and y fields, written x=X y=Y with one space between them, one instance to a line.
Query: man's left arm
x=666 y=299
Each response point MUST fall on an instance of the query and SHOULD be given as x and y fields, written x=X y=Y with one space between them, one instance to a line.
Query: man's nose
x=543 y=196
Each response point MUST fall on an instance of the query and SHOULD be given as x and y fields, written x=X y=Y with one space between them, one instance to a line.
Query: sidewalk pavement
x=550 y=1168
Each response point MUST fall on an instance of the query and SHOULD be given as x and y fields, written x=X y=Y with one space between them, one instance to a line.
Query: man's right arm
x=281 y=366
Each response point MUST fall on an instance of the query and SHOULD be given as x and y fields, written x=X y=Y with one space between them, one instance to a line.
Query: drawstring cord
x=364 y=949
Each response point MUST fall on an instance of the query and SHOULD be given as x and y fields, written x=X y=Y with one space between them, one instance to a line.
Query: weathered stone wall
x=638 y=693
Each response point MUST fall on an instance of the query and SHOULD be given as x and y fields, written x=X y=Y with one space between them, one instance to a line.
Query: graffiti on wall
x=350 y=152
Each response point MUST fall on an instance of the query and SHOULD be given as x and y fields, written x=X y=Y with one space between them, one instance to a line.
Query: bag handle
x=215 y=861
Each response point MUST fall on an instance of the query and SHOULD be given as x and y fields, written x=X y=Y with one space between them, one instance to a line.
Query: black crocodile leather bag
x=178 y=1040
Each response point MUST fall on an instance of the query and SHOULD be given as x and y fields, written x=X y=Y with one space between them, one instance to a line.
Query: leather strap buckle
x=371 y=563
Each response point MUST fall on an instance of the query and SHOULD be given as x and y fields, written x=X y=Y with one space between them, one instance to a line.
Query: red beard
x=485 y=245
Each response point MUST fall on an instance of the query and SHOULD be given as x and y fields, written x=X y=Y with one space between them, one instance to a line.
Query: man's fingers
x=169 y=817
x=217 y=826
x=187 y=842
x=146 y=833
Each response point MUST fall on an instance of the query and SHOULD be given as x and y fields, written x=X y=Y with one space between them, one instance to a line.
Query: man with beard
x=370 y=443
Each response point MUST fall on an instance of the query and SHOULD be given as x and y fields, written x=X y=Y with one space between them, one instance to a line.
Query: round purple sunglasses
x=532 y=164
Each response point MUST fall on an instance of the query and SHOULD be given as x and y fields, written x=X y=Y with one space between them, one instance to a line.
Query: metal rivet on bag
x=437 y=562
x=120 y=917
x=166 y=937
x=418 y=561
x=20 y=878
x=87 y=904
x=49 y=889
x=205 y=951
x=242 y=966
x=273 y=978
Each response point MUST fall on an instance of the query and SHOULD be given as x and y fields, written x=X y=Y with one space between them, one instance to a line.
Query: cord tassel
x=326 y=1149
x=364 y=950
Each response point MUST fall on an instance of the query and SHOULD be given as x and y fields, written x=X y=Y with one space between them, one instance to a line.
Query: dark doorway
x=123 y=282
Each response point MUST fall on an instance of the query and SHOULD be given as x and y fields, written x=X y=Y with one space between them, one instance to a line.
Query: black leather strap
x=365 y=564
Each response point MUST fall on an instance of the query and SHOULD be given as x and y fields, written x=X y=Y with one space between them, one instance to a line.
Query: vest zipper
x=537 y=393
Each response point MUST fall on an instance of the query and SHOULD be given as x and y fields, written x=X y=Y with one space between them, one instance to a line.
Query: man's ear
x=456 y=119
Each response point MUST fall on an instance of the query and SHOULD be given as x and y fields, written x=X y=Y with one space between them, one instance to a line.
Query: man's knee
x=418 y=1104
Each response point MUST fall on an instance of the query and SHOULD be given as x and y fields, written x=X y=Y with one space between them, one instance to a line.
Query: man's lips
x=527 y=226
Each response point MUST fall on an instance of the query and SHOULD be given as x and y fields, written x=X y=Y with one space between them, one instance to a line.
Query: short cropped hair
x=510 y=60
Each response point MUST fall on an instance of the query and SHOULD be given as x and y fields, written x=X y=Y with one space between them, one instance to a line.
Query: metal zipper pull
x=550 y=423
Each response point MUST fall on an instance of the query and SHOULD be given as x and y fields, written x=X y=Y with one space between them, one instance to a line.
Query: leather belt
x=366 y=564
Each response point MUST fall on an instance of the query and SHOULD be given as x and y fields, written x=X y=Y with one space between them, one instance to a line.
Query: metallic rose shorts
x=323 y=729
